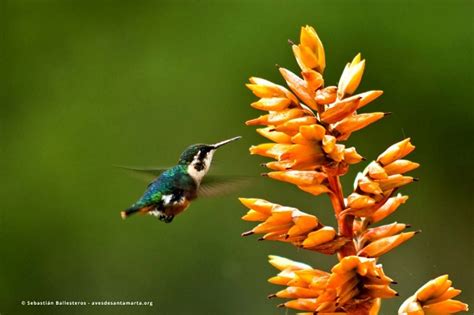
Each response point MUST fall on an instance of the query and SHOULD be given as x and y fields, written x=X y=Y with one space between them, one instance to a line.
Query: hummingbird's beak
x=219 y=144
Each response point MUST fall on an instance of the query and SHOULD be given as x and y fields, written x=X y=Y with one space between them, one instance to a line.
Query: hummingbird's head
x=198 y=158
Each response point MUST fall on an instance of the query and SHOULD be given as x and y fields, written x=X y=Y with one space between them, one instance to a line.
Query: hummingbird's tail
x=132 y=210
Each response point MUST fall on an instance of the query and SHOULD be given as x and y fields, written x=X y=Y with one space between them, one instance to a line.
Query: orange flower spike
x=397 y=151
x=384 y=245
x=394 y=181
x=357 y=122
x=433 y=288
x=275 y=136
x=326 y=95
x=382 y=231
x=272 y=104
x=321 y=236
x=351 y=77
x=310 y=41
x=340 y=110
x=388 y=208
x=400 y=167
x=435 y=297
x=299 y=87
x=299 y=177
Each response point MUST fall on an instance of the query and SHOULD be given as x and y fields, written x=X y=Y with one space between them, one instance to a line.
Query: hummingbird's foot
x=161 y=216
x=166 y=218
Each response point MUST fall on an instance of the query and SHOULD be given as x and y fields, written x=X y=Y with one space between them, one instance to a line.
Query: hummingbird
x=172 y=191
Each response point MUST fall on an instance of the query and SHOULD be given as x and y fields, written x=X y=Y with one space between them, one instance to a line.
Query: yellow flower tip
x=351 y=77
x=310 y=41
x=282 y=263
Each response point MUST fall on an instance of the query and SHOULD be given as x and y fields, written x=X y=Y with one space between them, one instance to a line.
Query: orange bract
x=434 y=298
x=354 y=286
x=307 y=124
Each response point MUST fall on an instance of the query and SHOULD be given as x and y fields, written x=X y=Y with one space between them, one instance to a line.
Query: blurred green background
x=89 y=84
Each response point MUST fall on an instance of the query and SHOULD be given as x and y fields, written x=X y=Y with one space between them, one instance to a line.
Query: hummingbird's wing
x=144 y=173
x=211 y=185
x=218 y=185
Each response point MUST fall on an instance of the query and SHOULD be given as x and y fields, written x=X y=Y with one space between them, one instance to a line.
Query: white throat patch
x=193 y=172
